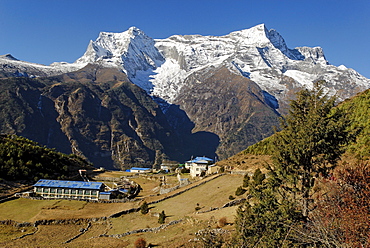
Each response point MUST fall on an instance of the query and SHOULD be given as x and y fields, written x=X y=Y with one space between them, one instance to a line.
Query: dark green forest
x=23 y=159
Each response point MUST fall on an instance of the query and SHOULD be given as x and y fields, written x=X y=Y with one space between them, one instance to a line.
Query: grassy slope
x=211 y=194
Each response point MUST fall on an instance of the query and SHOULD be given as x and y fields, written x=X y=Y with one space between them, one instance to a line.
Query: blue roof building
x=68 y=184
x=52 y=189
x=200 y=160
x=198 y=165
x=140 y=170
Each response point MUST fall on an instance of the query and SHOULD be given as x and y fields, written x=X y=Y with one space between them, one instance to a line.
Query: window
x=52 y=190
x=80 y=192
x=60 y=191
x=73 y=191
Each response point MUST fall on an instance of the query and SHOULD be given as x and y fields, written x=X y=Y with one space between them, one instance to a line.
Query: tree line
x=23 y=159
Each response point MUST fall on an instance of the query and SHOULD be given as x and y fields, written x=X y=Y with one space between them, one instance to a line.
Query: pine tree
x=162 y=217
x=267 y=219
x=144 y=208
x=258 y=177
x=311 y=142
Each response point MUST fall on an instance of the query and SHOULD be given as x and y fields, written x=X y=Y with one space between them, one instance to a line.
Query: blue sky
x=59 y=30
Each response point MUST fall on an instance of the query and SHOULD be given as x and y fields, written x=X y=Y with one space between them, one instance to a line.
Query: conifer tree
x=310 y=143
x=162 y=217
x=312 y=140
x=144 y=208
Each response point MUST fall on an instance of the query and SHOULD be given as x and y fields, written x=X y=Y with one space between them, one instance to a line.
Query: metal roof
x=105 y=193
x=68 y=184
x=200 y=160
x=138 y=168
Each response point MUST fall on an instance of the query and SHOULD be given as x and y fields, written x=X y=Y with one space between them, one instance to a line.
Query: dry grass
x=7 y=233
x=46 y=236
x=22 y=210
x=246 y=162
x=214 y=193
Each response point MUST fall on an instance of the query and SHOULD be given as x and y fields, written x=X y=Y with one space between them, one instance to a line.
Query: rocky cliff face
x=112 y=123
x=228 y=105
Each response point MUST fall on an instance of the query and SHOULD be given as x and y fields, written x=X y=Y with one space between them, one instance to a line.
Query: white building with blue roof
x=140 y=170
x=198 y=165
x=54 y=189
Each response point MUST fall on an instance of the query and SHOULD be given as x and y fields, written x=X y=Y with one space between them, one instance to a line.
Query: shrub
x=144 y=208
x=162 y=217
x=240 y=191
x=222 y=222
x=246 y=180
x=258 y=177
x=231 y=197
x=140 y=243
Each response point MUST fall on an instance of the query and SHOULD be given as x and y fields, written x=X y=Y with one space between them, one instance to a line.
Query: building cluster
x=201 y=166
x=85 y=190
x=81 y=190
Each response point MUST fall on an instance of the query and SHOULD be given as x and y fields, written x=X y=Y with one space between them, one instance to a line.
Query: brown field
x=26 y=210
x=247 y=162
x=214 y=193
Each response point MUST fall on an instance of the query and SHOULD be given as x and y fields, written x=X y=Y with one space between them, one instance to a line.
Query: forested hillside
x=305 y=199
x=22 y=159
x=357 y=110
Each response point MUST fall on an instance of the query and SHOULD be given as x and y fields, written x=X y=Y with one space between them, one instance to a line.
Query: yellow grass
x=214 y=193
x=23 y=209
x=7 y=233
x=27 y=210
x=246 y=162
x=46 y=236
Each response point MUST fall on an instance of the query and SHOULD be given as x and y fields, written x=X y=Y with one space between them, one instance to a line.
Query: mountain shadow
x=201 y=143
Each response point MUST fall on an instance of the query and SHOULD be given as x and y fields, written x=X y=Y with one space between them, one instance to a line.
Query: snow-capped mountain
x=218 y=94
x=161 y=66
x=10 y=67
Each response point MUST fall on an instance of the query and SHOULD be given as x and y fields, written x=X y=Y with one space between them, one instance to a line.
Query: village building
x=213 y=169
x=198 y=166
x=54 y=189
x=140 y=170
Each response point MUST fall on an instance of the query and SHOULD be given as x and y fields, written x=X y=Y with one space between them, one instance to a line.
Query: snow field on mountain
x=161 y=66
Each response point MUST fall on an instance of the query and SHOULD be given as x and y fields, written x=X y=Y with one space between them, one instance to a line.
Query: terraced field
x=108 y=232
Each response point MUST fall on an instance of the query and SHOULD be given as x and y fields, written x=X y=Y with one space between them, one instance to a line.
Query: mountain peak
x=257 y=35
x=135 y=31
x=8 y=56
